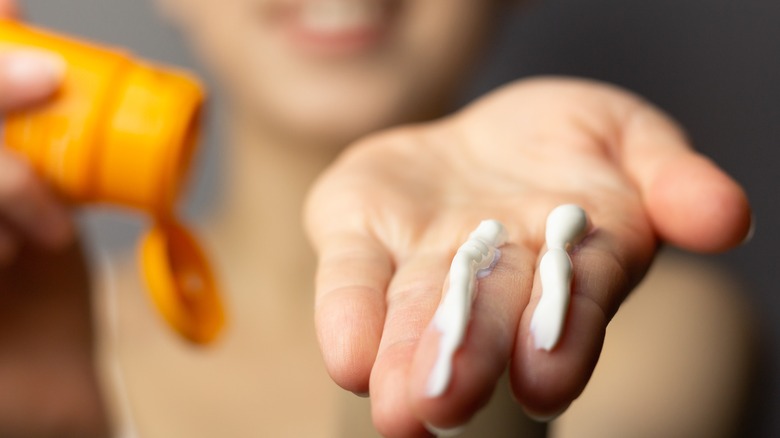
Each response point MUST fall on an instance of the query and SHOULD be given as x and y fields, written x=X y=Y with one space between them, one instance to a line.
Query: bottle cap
x=180 y=282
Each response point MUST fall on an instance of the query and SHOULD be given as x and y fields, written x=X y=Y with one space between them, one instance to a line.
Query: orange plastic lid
x=180 y=282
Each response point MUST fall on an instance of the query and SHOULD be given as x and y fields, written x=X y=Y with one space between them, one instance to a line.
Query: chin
x=335 y=117
x=338 y=129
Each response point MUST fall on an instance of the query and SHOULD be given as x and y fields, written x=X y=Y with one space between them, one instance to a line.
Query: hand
x=29 y=210
x=388 y=216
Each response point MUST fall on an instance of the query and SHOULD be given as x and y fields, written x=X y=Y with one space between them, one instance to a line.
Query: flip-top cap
x=180 y=282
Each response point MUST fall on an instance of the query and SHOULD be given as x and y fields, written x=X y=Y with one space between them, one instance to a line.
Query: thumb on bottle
x=27 y=76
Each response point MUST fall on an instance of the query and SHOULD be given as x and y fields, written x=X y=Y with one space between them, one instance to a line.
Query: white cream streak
x=474 y=259
x=566 y=226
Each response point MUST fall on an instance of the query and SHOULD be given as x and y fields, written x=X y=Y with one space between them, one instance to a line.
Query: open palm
x=388 y=216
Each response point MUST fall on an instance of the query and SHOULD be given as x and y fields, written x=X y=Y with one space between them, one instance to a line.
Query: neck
x=265 y=180
x=256 y=224
x=254 y=234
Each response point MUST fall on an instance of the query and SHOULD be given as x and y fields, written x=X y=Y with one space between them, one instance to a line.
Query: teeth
x=339 y=15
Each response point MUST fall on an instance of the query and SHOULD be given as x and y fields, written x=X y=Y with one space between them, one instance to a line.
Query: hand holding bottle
x=30 y=210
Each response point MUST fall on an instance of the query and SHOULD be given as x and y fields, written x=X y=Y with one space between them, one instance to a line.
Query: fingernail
x=751 y=231
x=441 y=432
x=545 y=418
x=33 y=68
x=362 y=394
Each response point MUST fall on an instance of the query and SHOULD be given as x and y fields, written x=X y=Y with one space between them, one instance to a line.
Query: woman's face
x=336 y=69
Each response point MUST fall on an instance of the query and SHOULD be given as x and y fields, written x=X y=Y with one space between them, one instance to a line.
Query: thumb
x=691 y=202
x=9 y=9
x=28 y=76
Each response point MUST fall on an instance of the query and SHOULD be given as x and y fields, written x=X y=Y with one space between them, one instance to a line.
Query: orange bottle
x=122 y=132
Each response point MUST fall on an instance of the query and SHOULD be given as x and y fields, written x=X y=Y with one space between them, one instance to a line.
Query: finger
x=691 y=202
x=9 y=9
x=353 y=274
x=606 y=266
x=490 y=337
x=27 y=77
x=30 y=207
x=412 y=297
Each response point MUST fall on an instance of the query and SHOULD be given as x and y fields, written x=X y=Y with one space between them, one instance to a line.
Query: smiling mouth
x=333 y=28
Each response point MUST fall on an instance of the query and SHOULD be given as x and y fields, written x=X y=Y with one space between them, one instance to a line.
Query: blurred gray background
x=712 y=64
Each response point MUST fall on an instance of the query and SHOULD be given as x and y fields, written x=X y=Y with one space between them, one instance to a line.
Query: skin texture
x=388 y=216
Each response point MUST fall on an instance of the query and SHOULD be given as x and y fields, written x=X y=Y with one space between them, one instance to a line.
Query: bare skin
x=387 y=218
x=267 y=369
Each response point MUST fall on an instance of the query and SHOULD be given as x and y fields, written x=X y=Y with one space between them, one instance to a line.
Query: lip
x=329 y=39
